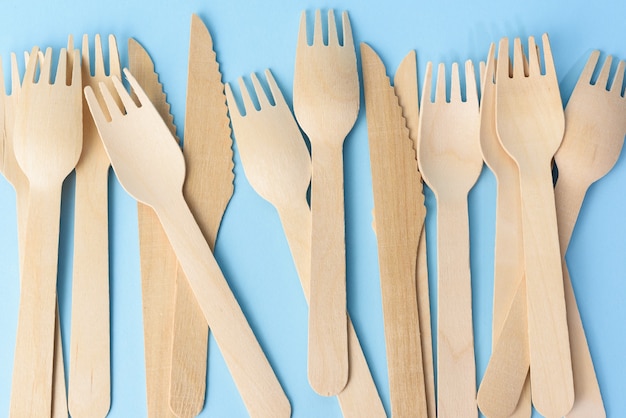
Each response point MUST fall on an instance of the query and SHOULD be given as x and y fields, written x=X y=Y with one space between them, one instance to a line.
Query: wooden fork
x=595 y=126
x=90 y=371
x=47 y=145
x=150 y=166
x=277 y=164
x=530 y=123
x=450 y=161
x=326 y=104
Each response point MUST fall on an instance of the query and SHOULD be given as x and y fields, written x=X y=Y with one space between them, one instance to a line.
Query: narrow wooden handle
x=259 y=388
x=90 y=372
x=31 y=390
x=328 y=333
x=456 y=367
x=569 y=195
x=360 y=398
x=551 y=377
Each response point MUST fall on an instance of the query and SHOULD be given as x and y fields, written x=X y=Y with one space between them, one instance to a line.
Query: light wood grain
x=151 y=168
x=397 y=210
x=595 y=126
x=530 y=124
x=450 y=162
x=47 y=149
x=496 y=397
x=326 y=104
x=406 y=89
x=90 y=370
x=208 y=188
x=158 y=261
x=277 y=164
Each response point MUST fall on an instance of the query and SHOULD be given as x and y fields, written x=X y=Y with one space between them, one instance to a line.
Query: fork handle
x=551 y=378
x=31 y=390
x=456 y=367
x=360 y=398
x=328 y=325
x=259 y=388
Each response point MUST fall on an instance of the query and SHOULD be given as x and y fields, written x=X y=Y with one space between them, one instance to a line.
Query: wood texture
x=530 y=123
x=496 y=397
x=397 y=210
x=158 y=261
x=277 y=164
x=90 y=359
x=326 y=104
x=151 y=168
x=406 y=89
x=47 y=149
x=208 y=188
x=450 y=162
x=595 y=126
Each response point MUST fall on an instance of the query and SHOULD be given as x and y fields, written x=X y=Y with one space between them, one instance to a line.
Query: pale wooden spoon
x=278 y=166
x=150 y=166
x=450 y=162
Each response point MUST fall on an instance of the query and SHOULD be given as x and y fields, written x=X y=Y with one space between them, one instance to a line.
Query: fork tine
x=503 y=64
x=603 y=77
x=260 y=93
x=99 y=61
x=85 y=55
x=136 y=87
x=15 y=76
x=348 y=40
x=76 y=75
x=318 y=37
x=94 y=106
x=248 y=106
x=114 y=56
x=440 y=88
x=534 y=67
x=590 y=67
x=127 y=101
x=428 y=81
x=45 y=73
x=333 y=38
x=455 y=83
x=518 y=59
x=62 y=68
x=471 y=93
x=279 y=99
x=618 y=79
x=111 y=106
x=31 y=66
x=233 y=108
x=547 y=57
x=302 y=37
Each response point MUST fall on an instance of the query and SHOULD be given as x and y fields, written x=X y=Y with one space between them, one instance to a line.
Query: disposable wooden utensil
x=530 y=123
x=595 y=126
x=47 y=145
x=158 y=261
x=15 y=176
x=89 y=392
x=450 y=162
x=508 y=254
x=151 y=168
x=326 y=104
x=405 y=86
x=277 y=164
x=399 y=214
x=208 y=188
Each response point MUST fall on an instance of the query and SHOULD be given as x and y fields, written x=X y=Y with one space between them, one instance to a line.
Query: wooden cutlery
x=326 y=104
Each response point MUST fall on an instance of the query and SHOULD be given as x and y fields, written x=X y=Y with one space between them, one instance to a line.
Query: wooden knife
x=158 y=261
x=397 y=206
x=208 y=188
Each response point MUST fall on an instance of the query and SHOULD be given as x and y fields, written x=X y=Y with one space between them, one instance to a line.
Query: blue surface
x=252 y=36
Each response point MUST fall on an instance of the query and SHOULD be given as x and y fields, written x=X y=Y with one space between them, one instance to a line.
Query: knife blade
x=396 y=208
x=406 y=89
x=208 y=188
x=158 y=261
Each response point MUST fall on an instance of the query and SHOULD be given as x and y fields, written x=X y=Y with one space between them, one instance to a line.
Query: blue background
x=250 y=36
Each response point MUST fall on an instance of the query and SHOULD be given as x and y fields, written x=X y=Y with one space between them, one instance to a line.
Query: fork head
x=273 y=152
x=147 y=160
x=595 y=120
x=449 y=134
x=48 y=119
x=326 y=81
x=530 y=118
